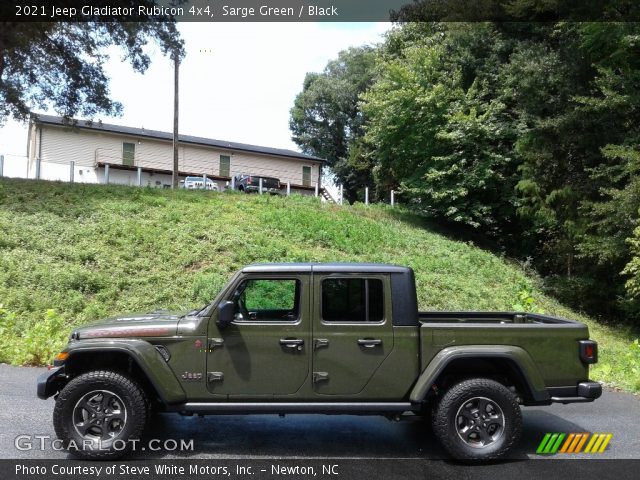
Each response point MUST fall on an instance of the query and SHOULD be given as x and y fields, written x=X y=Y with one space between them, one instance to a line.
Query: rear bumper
x=583 y=392
x=255 y=188
x=49 y=383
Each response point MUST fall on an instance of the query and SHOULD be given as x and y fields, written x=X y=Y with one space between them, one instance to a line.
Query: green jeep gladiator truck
x=319 y=338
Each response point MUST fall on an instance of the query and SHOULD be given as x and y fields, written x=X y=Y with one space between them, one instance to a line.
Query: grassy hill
x=71 y=254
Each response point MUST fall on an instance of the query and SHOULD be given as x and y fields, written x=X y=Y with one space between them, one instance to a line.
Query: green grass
x=73 y=254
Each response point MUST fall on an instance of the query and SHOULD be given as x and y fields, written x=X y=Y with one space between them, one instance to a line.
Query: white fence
x=17 y=166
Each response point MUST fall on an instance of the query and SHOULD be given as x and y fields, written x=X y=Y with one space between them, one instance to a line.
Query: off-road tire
x=124 y=390
x=451 y=420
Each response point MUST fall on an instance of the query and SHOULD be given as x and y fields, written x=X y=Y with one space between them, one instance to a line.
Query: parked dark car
x=251 y=183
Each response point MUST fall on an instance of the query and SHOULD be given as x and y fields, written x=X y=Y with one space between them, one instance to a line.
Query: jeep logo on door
x=192 y=376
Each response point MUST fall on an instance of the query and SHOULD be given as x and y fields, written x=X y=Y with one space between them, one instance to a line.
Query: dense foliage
x=527 y=134
x=61 y=64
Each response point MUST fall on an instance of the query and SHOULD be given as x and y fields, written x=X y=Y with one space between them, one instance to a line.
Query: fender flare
x=514 y=354
x=146 y=357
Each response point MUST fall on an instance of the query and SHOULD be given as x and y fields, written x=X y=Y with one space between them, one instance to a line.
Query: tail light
x=588 y=351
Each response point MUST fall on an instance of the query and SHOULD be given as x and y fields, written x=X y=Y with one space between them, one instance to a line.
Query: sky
x=238 y=81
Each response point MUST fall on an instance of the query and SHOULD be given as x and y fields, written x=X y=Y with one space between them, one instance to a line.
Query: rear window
x=352 y=300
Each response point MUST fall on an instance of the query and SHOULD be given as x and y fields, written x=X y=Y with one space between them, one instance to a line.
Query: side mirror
x=225 y=313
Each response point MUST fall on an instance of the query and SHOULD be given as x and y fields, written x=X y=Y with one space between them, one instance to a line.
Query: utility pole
x=176 y=65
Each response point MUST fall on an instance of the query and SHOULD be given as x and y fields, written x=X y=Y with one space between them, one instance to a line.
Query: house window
x=128 y=153
x=352 y=300
x=225 y=166
x=306 y=176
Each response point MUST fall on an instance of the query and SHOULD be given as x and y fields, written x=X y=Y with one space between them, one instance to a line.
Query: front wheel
x=478 y=420
x=100 y=414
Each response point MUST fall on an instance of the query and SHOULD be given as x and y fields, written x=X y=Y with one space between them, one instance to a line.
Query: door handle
x=296 y=343
x=369 y=342
x=215 y=377
x=215 y=343
x=320 y=377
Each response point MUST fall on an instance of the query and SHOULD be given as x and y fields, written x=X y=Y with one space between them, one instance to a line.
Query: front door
x=352 y=331
x=264 y=352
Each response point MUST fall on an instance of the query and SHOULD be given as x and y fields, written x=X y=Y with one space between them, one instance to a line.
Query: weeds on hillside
x=31 y=344
x=526 y=301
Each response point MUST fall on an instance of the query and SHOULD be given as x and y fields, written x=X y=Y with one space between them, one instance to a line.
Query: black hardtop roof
x=325 y=267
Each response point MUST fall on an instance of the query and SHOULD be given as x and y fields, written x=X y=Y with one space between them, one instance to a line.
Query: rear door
x=352 y=331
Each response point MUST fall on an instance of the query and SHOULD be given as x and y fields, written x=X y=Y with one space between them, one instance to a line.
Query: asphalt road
x=310 y=436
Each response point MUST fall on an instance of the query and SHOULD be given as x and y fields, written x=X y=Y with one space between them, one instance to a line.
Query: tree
x=633 y=267
x=438 y=126
x=326 y=120
x=580 y=165
x=405 y=108
x=61 y=64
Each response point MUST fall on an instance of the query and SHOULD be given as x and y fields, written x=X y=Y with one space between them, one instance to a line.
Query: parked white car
x=198 y=183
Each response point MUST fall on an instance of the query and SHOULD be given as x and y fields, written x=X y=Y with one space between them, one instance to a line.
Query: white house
x=96 y=152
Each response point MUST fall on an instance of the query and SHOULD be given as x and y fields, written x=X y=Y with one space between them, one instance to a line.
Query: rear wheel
x=98 y=414
x=478 y=419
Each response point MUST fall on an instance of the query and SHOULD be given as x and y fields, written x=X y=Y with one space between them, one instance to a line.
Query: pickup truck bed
x=490 y=317
x=537 y=343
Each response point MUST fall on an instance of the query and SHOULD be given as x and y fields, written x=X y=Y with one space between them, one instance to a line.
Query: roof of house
x=143 y=132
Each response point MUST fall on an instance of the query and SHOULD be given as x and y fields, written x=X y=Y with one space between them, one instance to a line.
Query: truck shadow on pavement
x=313 y=436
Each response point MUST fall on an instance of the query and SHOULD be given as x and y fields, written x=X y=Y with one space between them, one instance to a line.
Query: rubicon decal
x=583 y=442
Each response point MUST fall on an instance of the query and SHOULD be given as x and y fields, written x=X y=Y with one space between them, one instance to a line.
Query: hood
x=153 y=324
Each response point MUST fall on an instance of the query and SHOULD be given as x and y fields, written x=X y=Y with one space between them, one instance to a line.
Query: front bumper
x=49 y=383
x=583 y=392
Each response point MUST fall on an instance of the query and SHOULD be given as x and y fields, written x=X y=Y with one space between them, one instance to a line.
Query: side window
x=268 y=300
x=352 y=300
x=225 y=166
x=128 y=153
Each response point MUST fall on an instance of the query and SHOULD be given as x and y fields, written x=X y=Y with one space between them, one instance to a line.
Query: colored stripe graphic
x=543 y=443
x=599 y=441
x=582 y=440
x=573 y=443
x=590 y=444
x=550 y=443
x=567 y=443
x=556 y=445
x=606 y=441
x=579 y=438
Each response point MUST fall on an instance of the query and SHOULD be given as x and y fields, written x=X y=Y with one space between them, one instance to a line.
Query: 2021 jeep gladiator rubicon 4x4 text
x=319 y=338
